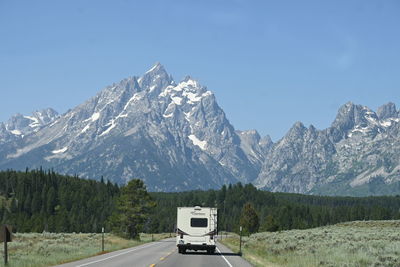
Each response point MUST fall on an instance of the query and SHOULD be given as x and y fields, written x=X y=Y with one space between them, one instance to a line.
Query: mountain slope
x=174 y=136
x=357 y=155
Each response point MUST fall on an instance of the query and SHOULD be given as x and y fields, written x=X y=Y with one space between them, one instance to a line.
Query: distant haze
x=269 y=64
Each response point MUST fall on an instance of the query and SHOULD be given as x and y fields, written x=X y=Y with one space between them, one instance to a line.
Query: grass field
x=46 y=249
x=359 y=243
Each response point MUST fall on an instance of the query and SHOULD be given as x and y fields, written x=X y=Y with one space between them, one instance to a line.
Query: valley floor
x=358 y=243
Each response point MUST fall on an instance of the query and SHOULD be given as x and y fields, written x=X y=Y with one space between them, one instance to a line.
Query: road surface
x=162 y=254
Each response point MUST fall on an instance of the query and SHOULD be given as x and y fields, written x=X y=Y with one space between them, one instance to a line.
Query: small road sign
x=5 y=233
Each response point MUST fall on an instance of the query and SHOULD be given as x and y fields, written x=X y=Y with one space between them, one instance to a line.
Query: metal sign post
x=102 y=239
x=5 y=252
x=240 y=242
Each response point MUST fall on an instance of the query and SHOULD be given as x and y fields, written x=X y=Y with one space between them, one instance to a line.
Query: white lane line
x=113 y=256
x=229 y=264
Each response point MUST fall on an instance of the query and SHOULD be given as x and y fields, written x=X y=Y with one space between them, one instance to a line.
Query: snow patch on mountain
x=34 y=123
x=197 y=142
x=168 y=115
x=134 y=98
x=85 y=129
x=61 y=150
x=95 y=116
x=177 y=100
x=157 y=65
x=112 y=126
x=16 y=132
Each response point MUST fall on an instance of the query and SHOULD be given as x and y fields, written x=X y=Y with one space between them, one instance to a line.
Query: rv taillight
x=181 y=236
x=211 y=237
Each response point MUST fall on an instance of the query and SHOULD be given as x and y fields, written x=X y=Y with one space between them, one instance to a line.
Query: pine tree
x=35 y=205
x=51 y=200
x=249 y=219
x=132 y=210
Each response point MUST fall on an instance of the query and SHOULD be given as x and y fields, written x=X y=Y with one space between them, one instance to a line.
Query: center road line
x=163 y=258
x=113 y=256
x=229 y=264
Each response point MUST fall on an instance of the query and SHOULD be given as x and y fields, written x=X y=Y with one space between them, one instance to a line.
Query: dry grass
x=46 y=249
x=360 y=243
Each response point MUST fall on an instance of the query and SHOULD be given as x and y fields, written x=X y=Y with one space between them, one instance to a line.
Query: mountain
x=172 y=135
x=19 y=125
x=358 y=155
x=176 y=137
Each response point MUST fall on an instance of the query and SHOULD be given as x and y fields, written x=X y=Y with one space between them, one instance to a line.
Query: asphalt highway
x=162 y=253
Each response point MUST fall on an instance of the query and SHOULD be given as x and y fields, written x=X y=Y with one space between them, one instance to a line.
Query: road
x=161 y=253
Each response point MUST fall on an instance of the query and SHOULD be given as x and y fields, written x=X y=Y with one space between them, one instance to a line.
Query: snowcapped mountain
x=357 y=155
x=175 y=137
x=19 y=125
x=172 y=135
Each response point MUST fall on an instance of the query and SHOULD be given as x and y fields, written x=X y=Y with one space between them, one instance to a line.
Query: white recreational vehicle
x=196 y=229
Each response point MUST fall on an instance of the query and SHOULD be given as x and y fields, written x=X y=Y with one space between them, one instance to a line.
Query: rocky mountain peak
x=266 y=142
x=45 y=116
x=21 y=125
x=345 y=117
x=157 y=68
x=351 y=116
x=387 y=111
x=298 y=130
x=155 y=79
x=253 y=134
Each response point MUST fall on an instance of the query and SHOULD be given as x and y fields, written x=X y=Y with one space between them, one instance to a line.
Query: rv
x=196 y=229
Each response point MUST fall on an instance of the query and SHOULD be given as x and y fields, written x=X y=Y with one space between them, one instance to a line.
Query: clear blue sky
x=270 y=63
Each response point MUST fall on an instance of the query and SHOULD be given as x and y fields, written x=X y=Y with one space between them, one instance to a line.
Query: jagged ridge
x=175 y=137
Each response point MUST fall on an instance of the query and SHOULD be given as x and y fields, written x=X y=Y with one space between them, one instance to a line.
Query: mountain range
x=176 y=137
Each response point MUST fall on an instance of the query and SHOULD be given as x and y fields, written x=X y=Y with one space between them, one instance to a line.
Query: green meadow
x=47 y=249
x=358 y=243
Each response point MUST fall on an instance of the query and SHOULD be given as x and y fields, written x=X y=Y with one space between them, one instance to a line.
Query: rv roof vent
x=197 y=208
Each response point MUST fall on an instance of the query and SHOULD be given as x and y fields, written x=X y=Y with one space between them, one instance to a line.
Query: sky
x=269 y=63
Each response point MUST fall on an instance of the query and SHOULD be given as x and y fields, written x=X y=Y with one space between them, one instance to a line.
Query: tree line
x=258 y=210
x=38 y=200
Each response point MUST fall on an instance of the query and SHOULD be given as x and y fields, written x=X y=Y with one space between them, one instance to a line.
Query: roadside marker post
x=5 y=236
x=102 y=239
x=5 y=253
x=240 y=242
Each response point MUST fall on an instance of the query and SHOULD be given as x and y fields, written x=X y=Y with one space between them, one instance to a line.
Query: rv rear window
x=198 y=222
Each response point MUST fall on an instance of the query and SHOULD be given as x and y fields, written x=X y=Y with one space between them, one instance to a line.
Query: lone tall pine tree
x=132 y=210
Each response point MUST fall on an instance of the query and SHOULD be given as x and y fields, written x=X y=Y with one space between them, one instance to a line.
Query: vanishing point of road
x=162 y=253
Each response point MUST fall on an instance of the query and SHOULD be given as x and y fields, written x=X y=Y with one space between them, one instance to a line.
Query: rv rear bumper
x=196 y=246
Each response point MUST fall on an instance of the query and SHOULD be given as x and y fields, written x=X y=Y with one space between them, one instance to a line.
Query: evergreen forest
x=39 y=200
